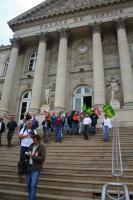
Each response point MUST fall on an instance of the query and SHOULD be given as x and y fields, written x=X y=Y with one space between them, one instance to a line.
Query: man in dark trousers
x=11 y=126
x=2 y=128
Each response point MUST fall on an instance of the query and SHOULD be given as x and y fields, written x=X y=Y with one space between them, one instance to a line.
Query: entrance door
x=25 y=105
x=82 y=95
x=87 y=100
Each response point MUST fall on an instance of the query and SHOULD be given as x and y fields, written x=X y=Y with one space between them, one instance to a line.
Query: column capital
x=44 y=36
x=64 y=33
x=95 y=27
x=120 y=23
x=15 y=42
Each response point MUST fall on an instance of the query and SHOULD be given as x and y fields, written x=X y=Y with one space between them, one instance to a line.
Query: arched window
x=82 y=95
x=32 y=62
x=5 y=67
x=25 y=104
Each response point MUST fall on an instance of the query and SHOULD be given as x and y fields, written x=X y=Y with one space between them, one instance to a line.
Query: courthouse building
x=65 y=53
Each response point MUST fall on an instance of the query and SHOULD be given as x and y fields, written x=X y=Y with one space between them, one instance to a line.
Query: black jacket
x=38 y=158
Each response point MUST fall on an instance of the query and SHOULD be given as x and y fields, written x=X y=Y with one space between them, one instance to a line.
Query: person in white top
x=25 y=135
x=87 y=126
x=106 y=125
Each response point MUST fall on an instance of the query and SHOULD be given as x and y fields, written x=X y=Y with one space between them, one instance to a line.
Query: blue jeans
x=106 y=133
x=32 y=180
x=75 y=128
x=58 y=134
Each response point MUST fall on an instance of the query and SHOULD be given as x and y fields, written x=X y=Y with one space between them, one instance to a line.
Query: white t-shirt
x=26 y=142
x=87 y=121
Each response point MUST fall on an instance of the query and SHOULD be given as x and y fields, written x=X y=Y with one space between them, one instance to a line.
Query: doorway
x=87 y=100
x=82 y=95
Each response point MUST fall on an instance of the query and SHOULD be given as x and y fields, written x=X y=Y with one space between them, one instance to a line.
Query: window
x=5 y=67
x=32 y=62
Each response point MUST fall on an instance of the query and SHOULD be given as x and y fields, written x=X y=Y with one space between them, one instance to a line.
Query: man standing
x=25 y=135
x=87 y=126
x=106 y=124
x=2 y=128
x=11 y=126
x=36 y=154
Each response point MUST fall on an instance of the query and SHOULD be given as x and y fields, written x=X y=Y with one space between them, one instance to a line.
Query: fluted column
x=98 y=68
x=39 y=75
x=60 y=91
x=125 y=63
x=7 y=88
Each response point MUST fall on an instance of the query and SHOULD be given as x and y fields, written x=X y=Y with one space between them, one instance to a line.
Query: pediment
x=56 y=7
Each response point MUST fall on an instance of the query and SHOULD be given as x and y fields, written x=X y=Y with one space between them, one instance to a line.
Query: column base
x=115 y=104
x=3 y=112
x=59 y=109
x=128 y=105
x=34 y=111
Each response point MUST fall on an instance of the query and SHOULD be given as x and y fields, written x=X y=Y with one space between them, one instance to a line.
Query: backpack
x=75 y=117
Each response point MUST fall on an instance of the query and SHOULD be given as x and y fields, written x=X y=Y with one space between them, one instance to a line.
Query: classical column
x=125 y=63
x=7 y=88
x=39 y=75
x=98 y=68
x=60 y=91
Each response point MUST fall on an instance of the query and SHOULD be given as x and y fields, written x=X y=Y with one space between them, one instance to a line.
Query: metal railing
x=117 y=190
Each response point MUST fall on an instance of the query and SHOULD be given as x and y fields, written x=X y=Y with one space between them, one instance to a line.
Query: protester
x=26 y=134
x=35 y=123
x=58 y=128
x=11 y=126
x=46 y=128
x=36 y=154
x=87 y=126
x=94 y=118
x=2 y=128
x=106 y=124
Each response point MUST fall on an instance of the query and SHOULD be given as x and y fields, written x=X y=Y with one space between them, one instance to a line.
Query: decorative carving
x=109 y=46
x=58 y=6
x=64 y=33
x=120 y=23
x=114 y=84
x=15 y=42
x=95 y=27
x=47 y=95
x=83 y=48
x=44 y=36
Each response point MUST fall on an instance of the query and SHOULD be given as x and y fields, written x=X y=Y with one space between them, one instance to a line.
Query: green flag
x=84 y=108
x=109 y=111
x=89 y=111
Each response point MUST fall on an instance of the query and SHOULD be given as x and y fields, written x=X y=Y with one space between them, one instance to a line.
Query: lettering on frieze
x=83 y=18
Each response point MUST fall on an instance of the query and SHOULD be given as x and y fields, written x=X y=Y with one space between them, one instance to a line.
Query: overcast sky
x=10 y=9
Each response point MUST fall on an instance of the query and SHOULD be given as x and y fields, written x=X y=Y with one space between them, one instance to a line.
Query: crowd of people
x=33 y=153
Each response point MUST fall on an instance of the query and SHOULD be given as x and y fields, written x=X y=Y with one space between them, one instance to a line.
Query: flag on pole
x=108 y=110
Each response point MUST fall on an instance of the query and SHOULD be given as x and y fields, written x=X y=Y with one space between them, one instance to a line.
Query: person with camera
x=36 y=155
x=25 y=135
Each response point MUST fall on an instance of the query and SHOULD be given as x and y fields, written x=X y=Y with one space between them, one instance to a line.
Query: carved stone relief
x=109 y=45
x=82 y=53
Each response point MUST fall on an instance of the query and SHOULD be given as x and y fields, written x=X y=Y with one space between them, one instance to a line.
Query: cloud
x=10 y=9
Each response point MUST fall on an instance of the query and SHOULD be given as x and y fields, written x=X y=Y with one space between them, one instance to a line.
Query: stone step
x=15 y=195
x=54 y=179
x=60 y=190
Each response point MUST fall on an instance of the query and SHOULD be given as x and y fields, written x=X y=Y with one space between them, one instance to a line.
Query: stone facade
x=78 y=44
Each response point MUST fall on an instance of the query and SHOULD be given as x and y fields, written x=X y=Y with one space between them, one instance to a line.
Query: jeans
x=9 y=137
x=106 y=133
x=75 y=128
x=58 y=134
x=46 y=132
x=32 y=180
x=86 y=131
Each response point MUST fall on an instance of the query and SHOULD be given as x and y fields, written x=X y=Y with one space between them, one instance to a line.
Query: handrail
x=117 y=167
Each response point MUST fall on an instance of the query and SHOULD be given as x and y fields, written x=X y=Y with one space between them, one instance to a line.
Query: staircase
x=74 y=170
